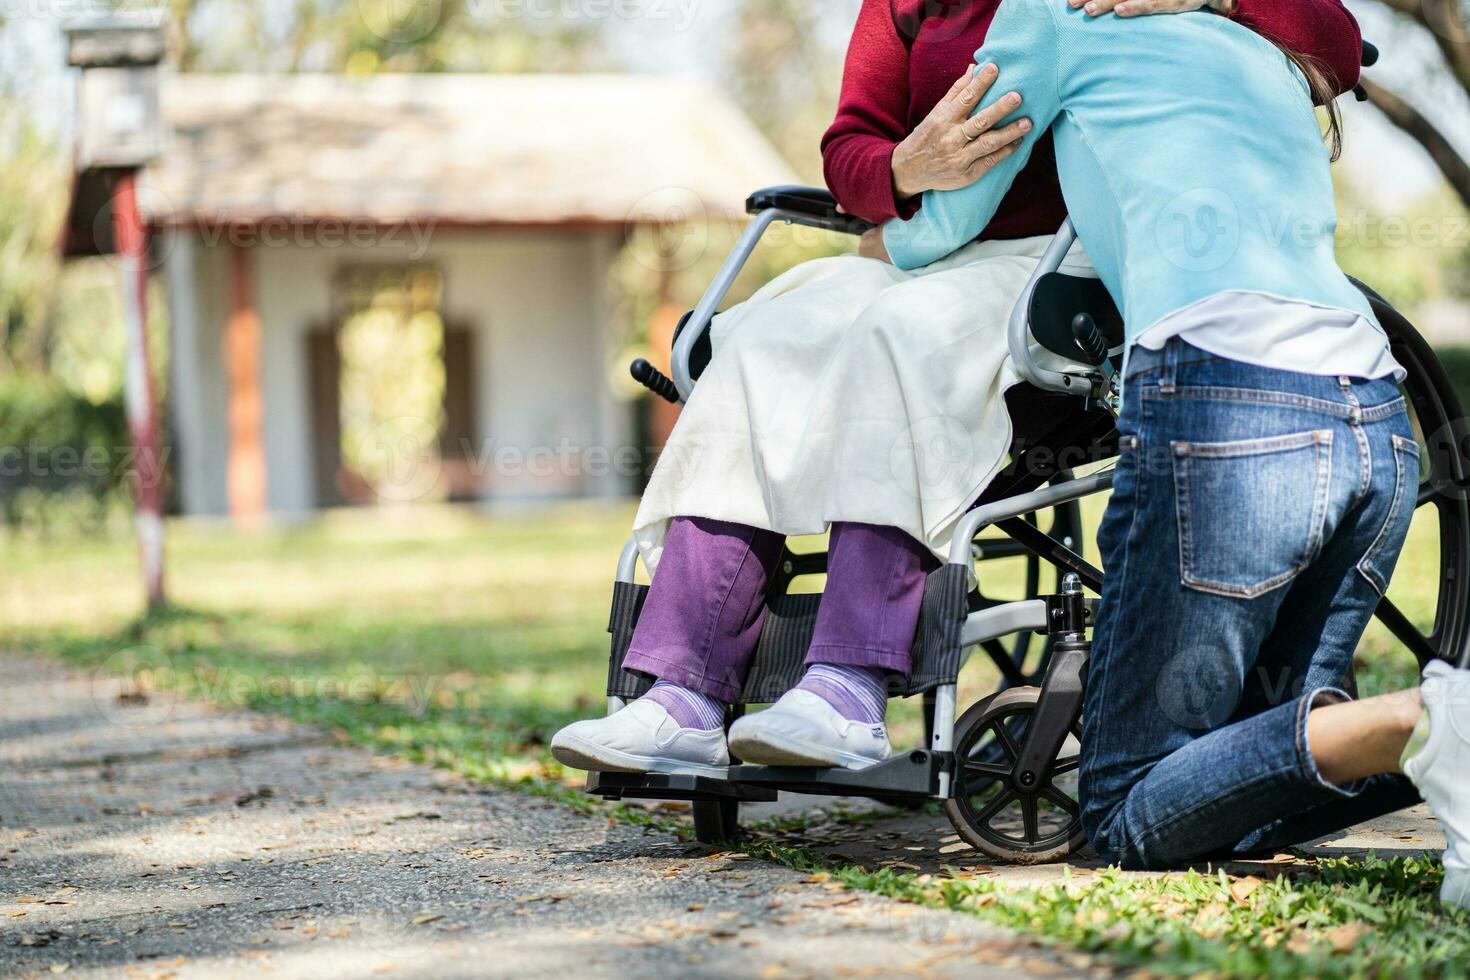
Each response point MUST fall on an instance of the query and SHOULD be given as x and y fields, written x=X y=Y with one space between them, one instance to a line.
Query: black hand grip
x=816 y=207
x=1370 y=55
x=1094 y=345
x=654 y=380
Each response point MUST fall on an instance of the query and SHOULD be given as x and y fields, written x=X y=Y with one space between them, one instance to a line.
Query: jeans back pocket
x=1251 y=513
x=1378 y=564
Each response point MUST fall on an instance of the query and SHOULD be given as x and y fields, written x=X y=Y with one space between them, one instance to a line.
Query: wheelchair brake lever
x=1090 y=339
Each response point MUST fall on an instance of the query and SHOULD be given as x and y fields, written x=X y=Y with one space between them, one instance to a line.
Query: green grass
x=450 y=638
x=1338 y=918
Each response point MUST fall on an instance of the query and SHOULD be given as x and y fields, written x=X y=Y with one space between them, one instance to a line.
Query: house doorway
x=392 y=392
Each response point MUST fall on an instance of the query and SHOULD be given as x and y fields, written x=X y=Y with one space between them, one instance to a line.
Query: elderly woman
x=852 y=395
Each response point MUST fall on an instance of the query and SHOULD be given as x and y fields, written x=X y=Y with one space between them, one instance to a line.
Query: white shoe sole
x=581 y=753
x=766 y=748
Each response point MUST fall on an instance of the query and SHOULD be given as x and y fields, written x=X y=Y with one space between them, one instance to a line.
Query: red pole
x=132 y=248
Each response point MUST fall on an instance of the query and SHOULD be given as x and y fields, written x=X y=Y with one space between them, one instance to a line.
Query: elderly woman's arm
x=874 y=166
x=1023 y=43
x=857 y=151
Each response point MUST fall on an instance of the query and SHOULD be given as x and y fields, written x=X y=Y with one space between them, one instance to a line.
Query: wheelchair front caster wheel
x=716 y=821
x=990 y=809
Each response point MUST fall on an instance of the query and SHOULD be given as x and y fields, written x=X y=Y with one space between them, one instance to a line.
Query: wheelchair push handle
x=1371 y=55
x=654 y=380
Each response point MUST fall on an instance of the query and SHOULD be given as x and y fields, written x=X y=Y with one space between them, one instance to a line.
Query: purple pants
x=703 y=615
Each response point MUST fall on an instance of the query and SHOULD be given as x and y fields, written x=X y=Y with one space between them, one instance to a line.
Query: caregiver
x=854 y=395
x=1269 y=470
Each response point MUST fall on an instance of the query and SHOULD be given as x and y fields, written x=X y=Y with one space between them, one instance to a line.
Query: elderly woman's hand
x=951 y=149
x=1139 y=8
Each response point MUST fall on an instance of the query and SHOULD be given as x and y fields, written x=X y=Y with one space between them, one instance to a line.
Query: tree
x=366 y=36
x=1445 y=22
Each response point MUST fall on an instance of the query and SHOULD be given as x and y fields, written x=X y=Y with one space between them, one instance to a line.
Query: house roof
x=459 y=149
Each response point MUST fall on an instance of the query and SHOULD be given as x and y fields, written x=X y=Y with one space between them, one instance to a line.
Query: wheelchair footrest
x=669 y=786
x=912 y=774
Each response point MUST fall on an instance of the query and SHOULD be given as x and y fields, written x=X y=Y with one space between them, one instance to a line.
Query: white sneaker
x=1441 y=771
x=801 y=729
x=643 y=737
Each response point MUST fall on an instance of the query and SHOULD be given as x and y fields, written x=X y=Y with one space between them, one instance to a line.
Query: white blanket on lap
x=849 y=390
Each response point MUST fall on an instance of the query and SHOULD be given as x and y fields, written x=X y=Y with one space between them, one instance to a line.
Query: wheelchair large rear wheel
x=1433 y=626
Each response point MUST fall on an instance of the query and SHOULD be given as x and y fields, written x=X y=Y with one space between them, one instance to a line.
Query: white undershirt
x=1285 y=334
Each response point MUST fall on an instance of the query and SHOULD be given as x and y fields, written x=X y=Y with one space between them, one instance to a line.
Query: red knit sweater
x=905 y=54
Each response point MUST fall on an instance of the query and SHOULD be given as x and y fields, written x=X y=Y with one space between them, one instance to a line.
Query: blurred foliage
x=1457 y=363
x=392 y=408
x=366 y=36
x=1412 y=256
x=32 y=206
x=785 y=76
x=63 y=458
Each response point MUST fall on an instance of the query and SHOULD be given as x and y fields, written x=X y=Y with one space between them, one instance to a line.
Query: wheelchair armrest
x=811 y=206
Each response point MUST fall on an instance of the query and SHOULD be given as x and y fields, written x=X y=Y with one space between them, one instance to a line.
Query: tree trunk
x=1426 y=134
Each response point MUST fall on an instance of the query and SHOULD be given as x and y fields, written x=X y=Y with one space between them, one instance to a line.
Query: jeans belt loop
x=1170 y=369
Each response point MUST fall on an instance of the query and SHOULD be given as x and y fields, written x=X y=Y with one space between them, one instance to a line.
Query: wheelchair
x=1001 y=768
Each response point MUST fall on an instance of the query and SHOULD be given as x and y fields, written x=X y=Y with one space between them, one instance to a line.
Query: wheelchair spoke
x=988 y=770
x=1406 y=632
x=994 y=807
x=1007 y=744
x=1062 y=800
x=1064 y=766
x=1029 y=815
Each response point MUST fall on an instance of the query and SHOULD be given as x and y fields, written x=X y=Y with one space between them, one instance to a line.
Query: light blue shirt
x=1191 y=159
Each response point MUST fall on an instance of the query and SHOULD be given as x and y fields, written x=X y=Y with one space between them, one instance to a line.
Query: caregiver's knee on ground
x=1259 y=512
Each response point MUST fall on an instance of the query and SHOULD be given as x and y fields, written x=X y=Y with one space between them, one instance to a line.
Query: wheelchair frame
x=951 y=629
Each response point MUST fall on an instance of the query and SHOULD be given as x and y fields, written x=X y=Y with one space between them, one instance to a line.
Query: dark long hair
x=1324 y=93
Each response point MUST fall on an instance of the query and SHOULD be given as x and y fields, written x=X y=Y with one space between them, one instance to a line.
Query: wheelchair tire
x=1440 y=424
x=1008 y=822
x=716 y=821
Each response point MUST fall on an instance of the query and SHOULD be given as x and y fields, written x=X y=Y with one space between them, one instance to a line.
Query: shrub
x=62 y=457
x=1457 y=363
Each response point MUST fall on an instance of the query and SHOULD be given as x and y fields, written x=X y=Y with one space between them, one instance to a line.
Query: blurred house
x=485 y=210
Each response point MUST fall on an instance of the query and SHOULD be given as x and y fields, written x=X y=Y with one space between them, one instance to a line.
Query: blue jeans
x=1257 y=517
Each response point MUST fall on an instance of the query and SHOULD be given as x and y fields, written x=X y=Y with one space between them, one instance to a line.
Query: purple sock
x=856 y=693
x=689 y=709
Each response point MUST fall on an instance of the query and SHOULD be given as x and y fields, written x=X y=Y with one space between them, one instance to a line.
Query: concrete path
x=167 y=839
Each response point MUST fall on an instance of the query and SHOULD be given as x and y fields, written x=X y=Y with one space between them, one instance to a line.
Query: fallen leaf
x=1345 y=937
x=1241 y=889
x=427 y=917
